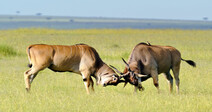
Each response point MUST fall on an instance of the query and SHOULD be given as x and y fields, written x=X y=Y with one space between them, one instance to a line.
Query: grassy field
x=58 y=92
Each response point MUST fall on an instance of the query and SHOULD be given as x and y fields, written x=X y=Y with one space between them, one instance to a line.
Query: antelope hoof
x=27 y=89
x=141 y=88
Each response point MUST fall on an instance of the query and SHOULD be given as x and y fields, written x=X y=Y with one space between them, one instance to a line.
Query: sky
x=149 y=9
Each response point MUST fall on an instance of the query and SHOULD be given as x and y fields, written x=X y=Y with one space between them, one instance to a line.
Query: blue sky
x=156 y=9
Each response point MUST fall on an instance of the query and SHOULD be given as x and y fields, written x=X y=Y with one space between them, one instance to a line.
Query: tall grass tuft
x=7 y=51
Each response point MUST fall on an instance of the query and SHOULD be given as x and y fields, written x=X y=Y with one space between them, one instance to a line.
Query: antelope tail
x=190 y=62
x=29 y=56
x=29 y=65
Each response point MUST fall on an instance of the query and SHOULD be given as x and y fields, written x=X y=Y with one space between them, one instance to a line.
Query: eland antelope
x=148 y=60
x=80 y=58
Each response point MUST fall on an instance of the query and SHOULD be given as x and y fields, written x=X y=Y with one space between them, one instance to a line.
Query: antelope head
x=130 y=76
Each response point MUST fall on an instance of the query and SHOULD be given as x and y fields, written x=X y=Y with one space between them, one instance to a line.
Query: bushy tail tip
x=29 y=65
x=190 y=62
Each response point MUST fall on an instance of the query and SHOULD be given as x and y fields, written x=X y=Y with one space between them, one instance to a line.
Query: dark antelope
x=148 y=60
x=81 y=59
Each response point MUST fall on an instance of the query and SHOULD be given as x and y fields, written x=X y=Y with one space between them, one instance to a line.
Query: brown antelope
x=148 y=60
x=80 y=58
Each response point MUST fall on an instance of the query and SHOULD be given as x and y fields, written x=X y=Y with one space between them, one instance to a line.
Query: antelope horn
x=125 y=84
x=123 y=75
x=128 y=67
x=116 y=70
x=121 y=81
x=140 y=75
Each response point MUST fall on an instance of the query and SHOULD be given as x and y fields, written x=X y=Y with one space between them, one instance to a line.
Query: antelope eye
x=114 y=78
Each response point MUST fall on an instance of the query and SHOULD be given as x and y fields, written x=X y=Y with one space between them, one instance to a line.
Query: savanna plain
x=60 y=92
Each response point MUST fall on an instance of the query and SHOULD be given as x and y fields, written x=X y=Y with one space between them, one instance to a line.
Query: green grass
x=65 y=91
x=7 y=51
